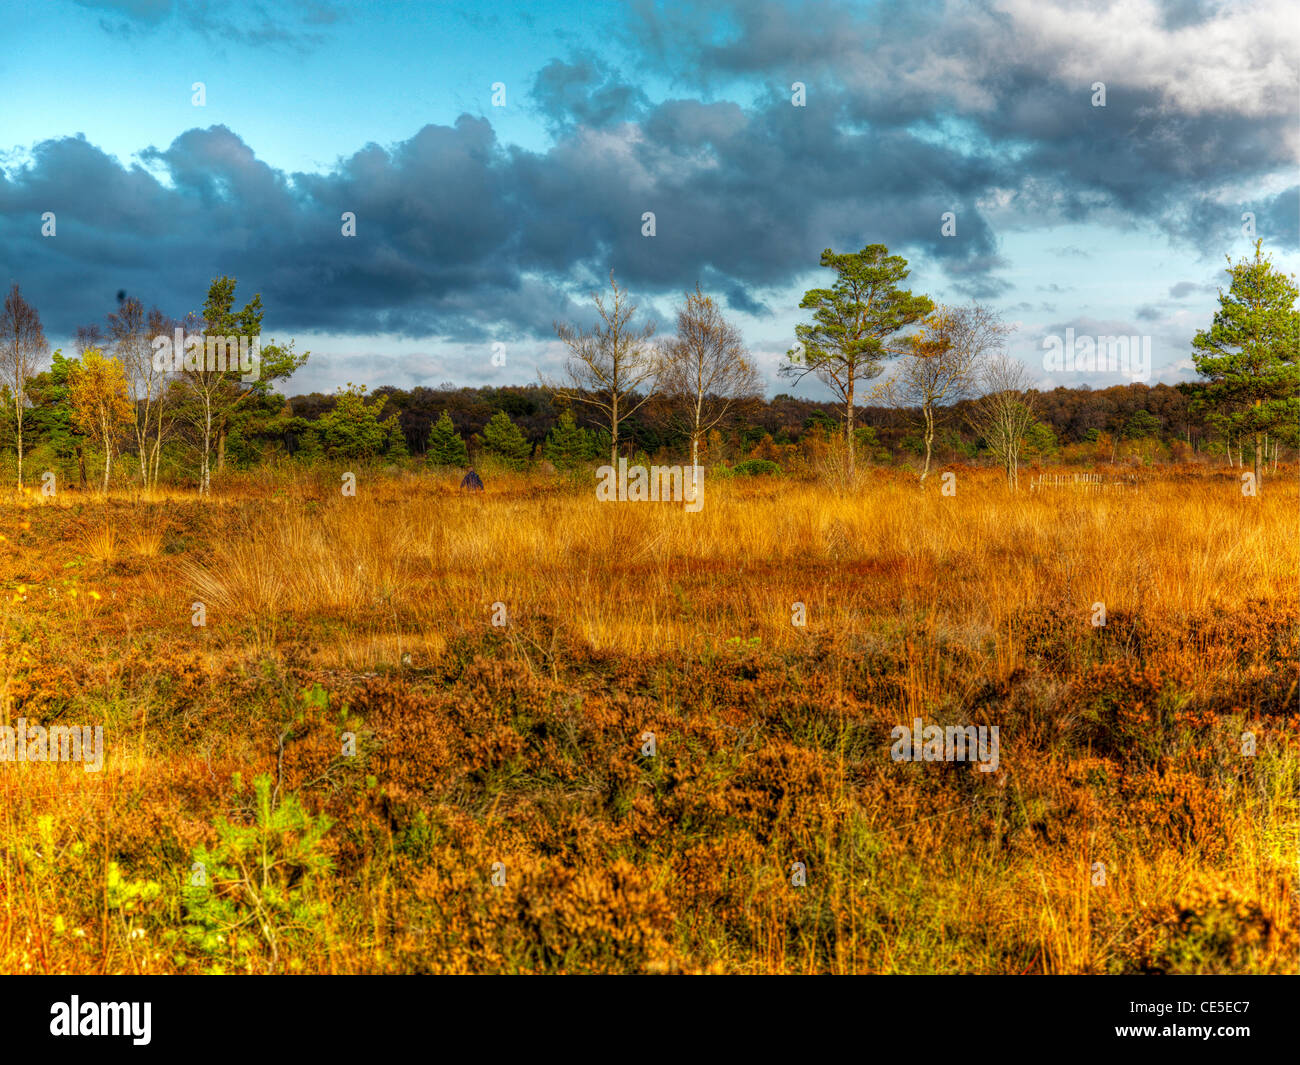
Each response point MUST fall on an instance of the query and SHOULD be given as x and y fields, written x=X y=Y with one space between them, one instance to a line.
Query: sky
x=499 y=159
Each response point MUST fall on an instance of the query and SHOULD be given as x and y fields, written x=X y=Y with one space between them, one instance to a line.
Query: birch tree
x=101 y=407
x=608 y=364
x=132 y=331
x=705 y=371
x=1004 y=413
x=22 y=349
x=943 y=364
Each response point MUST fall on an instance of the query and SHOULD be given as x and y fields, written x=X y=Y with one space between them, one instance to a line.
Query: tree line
x=115 y=397
x=955 y=393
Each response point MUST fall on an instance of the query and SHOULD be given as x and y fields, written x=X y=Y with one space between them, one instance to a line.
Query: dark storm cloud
x=740 y=300
x=912 y=111
x=435 y=251
x=460 y=237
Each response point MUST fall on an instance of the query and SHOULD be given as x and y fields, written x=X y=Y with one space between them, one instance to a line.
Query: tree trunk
x=613 y=432
x=221 y=447
x=106 y=430
x=848 y=429
x=205 y=482
x=18 y=417
x=142 y=449
x=81 y=464
x=1259 y=466
x=929 y=440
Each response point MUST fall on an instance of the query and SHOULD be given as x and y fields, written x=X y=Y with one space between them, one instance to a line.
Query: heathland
x=414 y=730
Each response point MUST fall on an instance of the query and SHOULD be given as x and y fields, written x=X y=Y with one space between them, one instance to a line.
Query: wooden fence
x=1084 y=482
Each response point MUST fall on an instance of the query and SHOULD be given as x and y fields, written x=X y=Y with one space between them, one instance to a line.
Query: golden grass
x=638 y=578
x=520 y=742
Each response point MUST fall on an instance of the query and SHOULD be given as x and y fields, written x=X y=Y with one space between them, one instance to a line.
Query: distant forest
x=1132 y=421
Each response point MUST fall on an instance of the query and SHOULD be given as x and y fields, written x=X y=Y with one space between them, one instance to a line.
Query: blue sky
x=479 y=224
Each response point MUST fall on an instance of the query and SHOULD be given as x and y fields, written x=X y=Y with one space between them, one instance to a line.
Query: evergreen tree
x=503 y=438
x=51 y=414
x=395 y=445
x=854 y=322
x=446 y=447
x=1249 y=355
x=567 y=445
x=352 y=429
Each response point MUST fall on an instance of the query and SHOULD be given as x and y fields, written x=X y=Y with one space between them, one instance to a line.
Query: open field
x=1123 y=831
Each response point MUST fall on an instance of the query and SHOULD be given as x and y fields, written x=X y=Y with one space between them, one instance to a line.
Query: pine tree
x=52 y=416
x=395 y=440
x=502 y=438
x=566 y=446
x=854 y=323
x=1249 y=355
x=446 y=448
x=353 y=429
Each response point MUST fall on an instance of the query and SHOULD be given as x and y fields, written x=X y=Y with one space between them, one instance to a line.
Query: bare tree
x=88 y=336
x=22 y=348
x=608 y=363
x=705 y=372
x=943 y=364
x=1005 y=411
x=163 y=390
x=132 y=333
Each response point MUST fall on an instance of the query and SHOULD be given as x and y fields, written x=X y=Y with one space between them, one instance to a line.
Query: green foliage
x=128 y=897
x=51 y=414
x=756 y=468
x=503 y=439
x=869 y=445
x=950 y=440
x=258 y=882
x=446 y=446
x=567 y=445
x=310 y=449
x=352 y=429
x=1039 y=440
x=820 y=419
x=1141 y=425
x=854 y=319
x=1249 y=356
x=394 y=439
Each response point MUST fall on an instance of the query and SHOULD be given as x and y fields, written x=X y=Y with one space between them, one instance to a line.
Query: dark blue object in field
x=471 y=483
